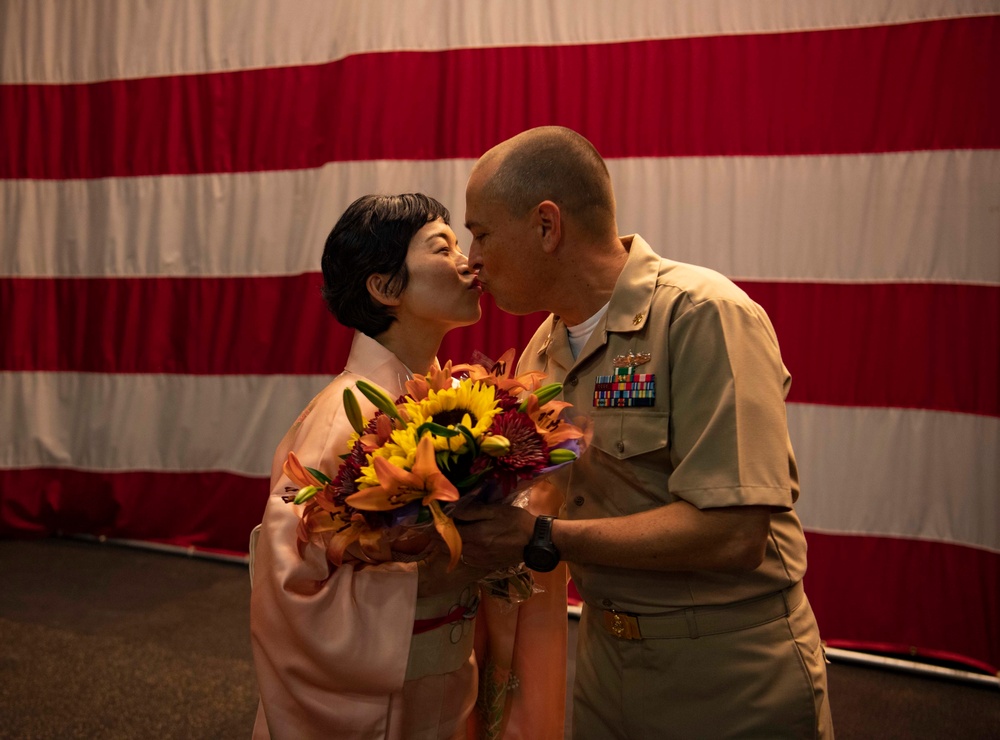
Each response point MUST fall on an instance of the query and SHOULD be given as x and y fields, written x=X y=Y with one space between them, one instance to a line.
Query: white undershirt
x=579 y=334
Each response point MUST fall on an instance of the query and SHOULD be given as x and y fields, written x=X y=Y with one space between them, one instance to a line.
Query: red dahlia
x=527 y=456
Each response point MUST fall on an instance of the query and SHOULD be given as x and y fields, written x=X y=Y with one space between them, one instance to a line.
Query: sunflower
x=470 y=404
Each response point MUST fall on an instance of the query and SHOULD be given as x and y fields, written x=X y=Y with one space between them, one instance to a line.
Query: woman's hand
x=494 y=536
x=433 y=576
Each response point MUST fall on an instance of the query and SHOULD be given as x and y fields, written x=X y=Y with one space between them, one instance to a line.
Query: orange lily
x=398 y=487
x=297 y=472
x=548 y=423
x=439 y=378
x=449 y=533
x=383 y=430
x=502 y=374
x=350 y=532
x=436 y=379
x=316 y=519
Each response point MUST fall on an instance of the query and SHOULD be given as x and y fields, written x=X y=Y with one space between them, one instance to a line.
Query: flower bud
x=305 y=494
x=544 y=394
x=379 y=397
x=561 y=455
x=496 y=445
x=353 y=411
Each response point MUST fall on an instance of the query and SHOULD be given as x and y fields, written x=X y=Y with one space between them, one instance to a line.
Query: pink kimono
x=334 y=648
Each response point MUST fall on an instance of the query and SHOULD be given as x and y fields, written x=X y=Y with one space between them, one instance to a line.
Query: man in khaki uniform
x=678 y=521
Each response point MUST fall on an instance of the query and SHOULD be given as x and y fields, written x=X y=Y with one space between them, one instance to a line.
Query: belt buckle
x=622 y=626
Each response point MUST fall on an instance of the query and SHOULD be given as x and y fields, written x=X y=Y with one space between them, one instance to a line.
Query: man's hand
x=493 y=536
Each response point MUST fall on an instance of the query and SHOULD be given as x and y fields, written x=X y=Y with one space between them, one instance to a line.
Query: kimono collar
x=375 y=363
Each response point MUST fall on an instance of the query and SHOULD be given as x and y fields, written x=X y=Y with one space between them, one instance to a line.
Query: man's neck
x=592 y=284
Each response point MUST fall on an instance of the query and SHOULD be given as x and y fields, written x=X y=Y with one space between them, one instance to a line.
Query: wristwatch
x=540 y=554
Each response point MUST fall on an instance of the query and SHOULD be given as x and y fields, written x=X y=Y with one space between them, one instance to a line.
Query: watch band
x=542 y=536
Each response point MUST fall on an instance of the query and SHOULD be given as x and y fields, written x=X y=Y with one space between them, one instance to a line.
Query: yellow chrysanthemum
x=470 y=403
x=400 y=450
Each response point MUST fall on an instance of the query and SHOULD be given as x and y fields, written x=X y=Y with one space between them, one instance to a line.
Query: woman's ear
x=378 y=288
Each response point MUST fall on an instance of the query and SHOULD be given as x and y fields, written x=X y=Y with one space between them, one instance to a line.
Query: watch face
x=540 y=559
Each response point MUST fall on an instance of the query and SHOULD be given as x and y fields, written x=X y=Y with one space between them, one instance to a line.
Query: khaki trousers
x=767 y=681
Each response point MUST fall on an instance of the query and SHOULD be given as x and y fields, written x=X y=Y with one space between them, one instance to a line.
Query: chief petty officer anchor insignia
x=626 y=387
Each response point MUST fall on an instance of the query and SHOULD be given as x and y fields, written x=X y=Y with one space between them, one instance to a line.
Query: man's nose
x=475 y=260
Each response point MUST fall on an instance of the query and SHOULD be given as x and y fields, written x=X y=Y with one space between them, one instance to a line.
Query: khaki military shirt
x=715 y=435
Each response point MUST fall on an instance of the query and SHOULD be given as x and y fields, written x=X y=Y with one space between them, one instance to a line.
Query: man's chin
x=510 y=307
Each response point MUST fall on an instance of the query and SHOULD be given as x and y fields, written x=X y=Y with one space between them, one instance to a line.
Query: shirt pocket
x=625 y=434
x=631 y=462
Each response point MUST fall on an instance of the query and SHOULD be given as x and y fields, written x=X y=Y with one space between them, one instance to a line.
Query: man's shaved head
x=552 y=163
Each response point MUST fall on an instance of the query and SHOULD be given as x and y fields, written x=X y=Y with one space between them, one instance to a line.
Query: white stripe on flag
x=150 y=422
x=822 y=218
x=898 y=472
x=50 y=41
x=876 y=471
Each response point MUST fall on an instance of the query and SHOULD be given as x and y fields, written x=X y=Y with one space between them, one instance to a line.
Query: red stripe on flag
x=200 y=326
x=937 y=600
x=210 y=510
x=909 y=345
x=833 y=91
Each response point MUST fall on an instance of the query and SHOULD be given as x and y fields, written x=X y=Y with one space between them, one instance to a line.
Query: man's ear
x=378 y=288
x=550 y=223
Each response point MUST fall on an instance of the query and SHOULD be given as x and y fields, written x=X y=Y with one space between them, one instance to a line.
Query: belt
x=704 y=620
x=457 y=612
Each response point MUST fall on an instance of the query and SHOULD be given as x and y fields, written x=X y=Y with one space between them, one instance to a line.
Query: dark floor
x=101 y=641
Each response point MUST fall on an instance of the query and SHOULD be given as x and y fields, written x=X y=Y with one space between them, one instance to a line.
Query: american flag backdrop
x=169 y=171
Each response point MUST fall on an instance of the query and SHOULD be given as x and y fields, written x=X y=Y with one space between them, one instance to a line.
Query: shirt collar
x=628 y=310
x=633 y=293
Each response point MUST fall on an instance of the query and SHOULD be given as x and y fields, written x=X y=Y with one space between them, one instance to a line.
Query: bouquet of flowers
x=456 y=432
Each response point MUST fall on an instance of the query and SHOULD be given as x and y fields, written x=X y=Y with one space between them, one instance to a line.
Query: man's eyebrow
x=471 y=224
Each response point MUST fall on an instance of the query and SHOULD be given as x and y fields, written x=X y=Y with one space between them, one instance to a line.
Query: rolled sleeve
x=728 y=426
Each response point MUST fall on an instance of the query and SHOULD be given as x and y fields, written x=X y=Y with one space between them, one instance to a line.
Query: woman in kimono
x=382 y=647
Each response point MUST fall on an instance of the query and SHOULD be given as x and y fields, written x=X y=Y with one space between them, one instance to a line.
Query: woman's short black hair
x=373 y=236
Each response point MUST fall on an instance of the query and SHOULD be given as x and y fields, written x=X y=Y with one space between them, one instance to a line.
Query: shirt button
x=607 y=603
x=571 y=381
x=620 y=446
x=578 y=500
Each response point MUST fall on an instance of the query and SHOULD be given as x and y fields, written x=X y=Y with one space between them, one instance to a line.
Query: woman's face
x=441 y=290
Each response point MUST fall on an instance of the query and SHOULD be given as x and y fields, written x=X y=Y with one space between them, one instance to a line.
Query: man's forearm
x=673 y=537
x=677 y=536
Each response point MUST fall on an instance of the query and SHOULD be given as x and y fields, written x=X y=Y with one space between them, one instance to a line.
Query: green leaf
x=443 y=459
x=320 y=476
x=468 y=435
x=436 y=429
x=472 y=479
